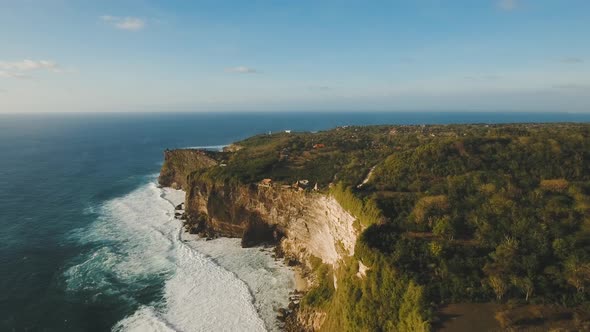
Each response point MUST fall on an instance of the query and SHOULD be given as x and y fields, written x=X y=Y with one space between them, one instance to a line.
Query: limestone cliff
x=305 y=226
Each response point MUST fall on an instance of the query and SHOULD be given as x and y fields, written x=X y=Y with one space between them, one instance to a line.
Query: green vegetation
x=341 y=155
x=462 y=213
x=499 y=214
x=319 y=295
x=366 y=212
x=509 y=204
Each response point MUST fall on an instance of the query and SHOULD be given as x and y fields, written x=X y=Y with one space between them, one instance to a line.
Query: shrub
x=428 y=206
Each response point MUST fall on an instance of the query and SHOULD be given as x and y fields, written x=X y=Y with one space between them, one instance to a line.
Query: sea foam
x=137 y=245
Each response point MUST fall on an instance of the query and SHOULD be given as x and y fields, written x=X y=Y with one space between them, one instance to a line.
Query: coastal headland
x=408 y=228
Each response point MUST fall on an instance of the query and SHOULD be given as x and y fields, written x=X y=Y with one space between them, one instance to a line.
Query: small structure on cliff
x=300 y=185
x=265 y=183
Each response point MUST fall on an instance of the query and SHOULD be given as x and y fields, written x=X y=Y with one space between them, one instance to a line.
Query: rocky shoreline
x=287 y=316
x=302 y=227
x=283 y=314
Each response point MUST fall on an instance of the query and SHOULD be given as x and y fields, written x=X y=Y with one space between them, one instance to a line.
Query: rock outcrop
x=305 y=226
x=178 y=164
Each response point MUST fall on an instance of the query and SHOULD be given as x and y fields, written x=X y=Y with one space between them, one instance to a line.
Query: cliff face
x=303 y=224
x=232 y=211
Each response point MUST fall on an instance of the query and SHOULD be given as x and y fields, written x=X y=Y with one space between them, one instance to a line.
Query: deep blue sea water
x=59 y=174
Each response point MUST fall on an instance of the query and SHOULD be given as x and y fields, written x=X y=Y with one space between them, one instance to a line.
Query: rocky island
x=398 y=228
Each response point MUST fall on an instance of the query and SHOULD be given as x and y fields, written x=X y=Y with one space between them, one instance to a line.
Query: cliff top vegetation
x=449 y=213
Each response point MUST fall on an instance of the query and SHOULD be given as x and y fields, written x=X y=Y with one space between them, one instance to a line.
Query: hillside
x=462 y=214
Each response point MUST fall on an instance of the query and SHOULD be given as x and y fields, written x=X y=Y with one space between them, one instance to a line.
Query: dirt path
x=367 y=178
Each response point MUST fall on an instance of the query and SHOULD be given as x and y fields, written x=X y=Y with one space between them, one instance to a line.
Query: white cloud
x=124 y=23
x=19 y=69
x=241 y=70
x=508 y=5
x=7 y=74
x=28 y=65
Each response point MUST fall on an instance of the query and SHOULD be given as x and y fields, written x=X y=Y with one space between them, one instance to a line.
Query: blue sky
x=413 y=55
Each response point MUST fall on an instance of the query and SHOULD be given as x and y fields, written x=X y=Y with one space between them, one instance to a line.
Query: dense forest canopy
x=458 y=213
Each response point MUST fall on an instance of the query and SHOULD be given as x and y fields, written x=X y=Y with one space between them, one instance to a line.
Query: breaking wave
x=138 y=253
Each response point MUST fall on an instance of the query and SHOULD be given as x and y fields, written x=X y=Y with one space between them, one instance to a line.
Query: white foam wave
x=138 y=246
x=145 y=319
x=269 y=281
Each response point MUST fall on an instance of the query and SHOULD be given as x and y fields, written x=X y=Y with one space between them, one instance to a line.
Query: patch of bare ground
x=491 y=317
x=468 y=317
x=532 y=318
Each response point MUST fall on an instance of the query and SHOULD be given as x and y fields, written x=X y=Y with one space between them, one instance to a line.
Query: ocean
x=88 y=241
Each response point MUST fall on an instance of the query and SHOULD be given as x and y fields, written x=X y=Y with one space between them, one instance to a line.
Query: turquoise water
x=68 y=183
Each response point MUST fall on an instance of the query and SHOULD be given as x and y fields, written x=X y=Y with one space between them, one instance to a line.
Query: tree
x=443 y=227
x=498 y=285
x=430 y=205
x=577 y=273
x=561 y=248
x=524 y=284
x=435 y=248
x=410 y=317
